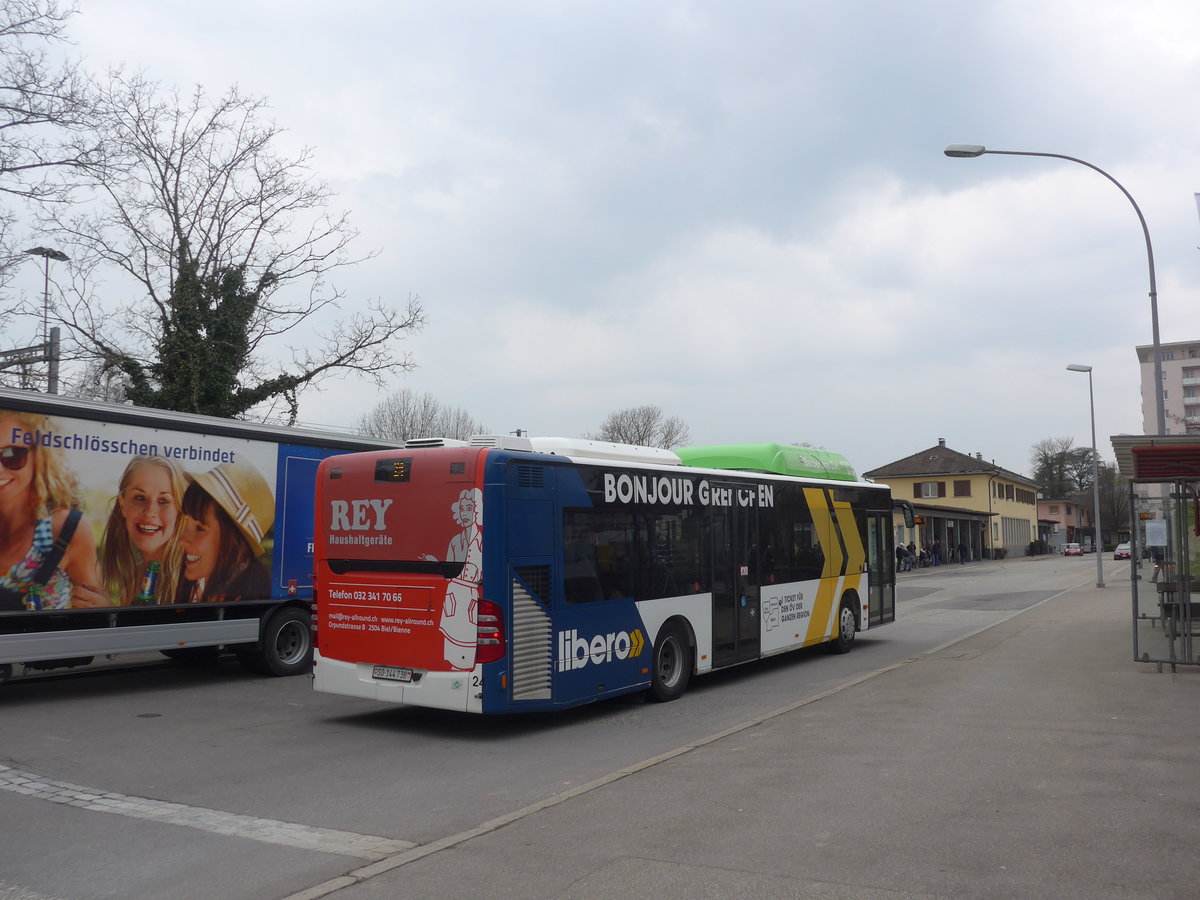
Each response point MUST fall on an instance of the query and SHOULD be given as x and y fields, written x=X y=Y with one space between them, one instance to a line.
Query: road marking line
x=270 y=831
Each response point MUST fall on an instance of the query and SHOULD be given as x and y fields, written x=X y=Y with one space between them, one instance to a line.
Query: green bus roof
x=803 y=462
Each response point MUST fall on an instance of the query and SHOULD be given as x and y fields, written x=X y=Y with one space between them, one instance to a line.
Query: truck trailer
x=126 y=529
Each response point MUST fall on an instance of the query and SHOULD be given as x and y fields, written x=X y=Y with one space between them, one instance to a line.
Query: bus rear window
x=415 y=512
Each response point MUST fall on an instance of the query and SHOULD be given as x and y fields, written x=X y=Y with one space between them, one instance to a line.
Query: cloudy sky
x=740 y=212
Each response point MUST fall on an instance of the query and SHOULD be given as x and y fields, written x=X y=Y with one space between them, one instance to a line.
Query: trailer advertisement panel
x=98 y=514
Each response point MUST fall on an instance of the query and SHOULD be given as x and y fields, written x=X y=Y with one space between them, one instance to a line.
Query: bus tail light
x=490 y=641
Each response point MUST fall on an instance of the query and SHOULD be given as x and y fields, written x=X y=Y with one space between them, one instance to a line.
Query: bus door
x=736 y=617
x=880 y=569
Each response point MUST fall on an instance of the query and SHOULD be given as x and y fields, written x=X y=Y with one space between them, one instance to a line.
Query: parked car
x=1122 y=552
x=1072 y=550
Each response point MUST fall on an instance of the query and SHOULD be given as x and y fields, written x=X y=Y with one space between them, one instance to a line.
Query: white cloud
x=739 y=212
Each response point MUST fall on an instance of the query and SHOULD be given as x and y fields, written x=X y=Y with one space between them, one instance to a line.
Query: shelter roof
x=1157 y=457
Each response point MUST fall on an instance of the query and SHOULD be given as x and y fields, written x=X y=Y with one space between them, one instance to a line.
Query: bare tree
x=1114 y=501
x=1050 y=457
x=406 y=415
x=42 y=106
x=224 y=247
x=99 y=383
x=1079 y=468
x=645 y=426
x=38 y=100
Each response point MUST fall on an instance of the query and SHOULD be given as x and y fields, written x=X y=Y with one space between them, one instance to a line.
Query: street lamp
x=1075 y=367
x=970 y=151
x=49 y=337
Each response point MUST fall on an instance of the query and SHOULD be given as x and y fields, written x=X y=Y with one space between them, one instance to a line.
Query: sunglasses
x=14 y=458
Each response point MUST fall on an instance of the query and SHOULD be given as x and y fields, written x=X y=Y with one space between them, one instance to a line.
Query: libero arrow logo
x=575 y=652
x=637 y=642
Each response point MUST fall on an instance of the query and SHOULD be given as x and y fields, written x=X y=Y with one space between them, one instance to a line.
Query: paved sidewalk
x=1035 y=759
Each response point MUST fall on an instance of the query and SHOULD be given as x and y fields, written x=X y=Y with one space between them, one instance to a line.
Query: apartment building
x=1180 y=387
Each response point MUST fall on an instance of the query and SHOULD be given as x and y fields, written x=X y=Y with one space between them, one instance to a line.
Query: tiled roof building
x=959 y=495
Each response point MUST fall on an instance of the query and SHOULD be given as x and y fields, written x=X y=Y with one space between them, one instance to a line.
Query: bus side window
x=596 y=555
x=581 y=575
x=675 y=551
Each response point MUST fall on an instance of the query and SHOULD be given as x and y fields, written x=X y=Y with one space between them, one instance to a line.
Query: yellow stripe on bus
x=822 y=516
x=856 y=554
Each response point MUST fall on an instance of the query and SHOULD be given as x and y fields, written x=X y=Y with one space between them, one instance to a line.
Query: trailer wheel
x=286 y=646
x=5 y=672
x=672 y=665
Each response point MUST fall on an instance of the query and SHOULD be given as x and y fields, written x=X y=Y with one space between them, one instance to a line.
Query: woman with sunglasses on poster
x=47 y=550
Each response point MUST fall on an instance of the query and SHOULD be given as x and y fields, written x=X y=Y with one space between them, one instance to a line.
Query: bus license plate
x=391 y=673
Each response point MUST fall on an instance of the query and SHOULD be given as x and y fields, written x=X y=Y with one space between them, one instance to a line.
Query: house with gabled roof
x=963 y=500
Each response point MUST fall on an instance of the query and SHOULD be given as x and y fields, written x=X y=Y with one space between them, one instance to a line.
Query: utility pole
x=50 y=336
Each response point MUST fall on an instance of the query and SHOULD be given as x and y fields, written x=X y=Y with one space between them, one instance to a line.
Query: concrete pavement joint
x=269 y=831
x=933 y=651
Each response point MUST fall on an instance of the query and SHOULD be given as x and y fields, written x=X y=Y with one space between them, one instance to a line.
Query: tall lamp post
x=1075 y=367
x=49 y=336
x=970 y=151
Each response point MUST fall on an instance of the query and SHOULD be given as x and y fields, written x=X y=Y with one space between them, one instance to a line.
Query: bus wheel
x=672 y=666
x=847 y=628
x=286 y=644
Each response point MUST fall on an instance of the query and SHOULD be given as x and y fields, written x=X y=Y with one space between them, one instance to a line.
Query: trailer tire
x=286 y=644
x=671 y=667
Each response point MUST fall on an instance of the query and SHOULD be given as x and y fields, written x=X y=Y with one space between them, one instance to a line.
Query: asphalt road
x=170 y=782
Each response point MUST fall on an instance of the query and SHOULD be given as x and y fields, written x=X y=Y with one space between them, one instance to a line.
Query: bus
x=99 y=497
x=508 y=574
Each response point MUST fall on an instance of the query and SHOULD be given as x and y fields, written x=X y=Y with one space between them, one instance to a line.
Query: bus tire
x=671 y=669
x=847 y=628
x=286 y=644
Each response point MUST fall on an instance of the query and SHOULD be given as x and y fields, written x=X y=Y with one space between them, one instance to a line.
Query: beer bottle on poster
x=149 y=585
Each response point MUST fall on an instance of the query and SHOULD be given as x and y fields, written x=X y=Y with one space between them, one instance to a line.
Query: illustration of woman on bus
x=228 y=512
x=47 y=550
x=458 y=622
x=141 y=555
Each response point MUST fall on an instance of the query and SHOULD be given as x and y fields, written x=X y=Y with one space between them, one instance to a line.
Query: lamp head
x=965 y=151
x=1076 y=367
x=48 y=253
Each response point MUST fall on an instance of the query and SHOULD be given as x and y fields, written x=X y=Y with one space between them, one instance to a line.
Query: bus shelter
x=1163 y=473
